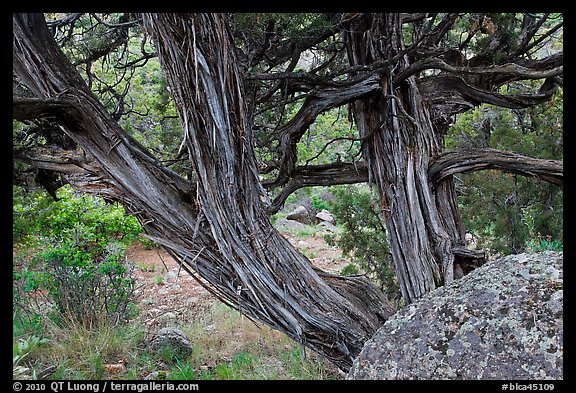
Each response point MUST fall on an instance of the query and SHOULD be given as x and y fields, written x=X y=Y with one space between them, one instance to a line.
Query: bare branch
x=321 y=175
x=511 y=69
x=64 y=21
x=450 y=163
x=449 y=95
x=35 y=108
x=317 y=103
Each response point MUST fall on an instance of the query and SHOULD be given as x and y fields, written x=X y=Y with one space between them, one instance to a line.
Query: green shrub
x=78 y=216
x=78 y=284
x=320 y=203
x=349 y=270
x=79 y=271
x=363 y=237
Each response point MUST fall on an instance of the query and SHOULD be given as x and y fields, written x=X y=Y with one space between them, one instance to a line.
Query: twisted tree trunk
x=421 y=217
x=216 y=226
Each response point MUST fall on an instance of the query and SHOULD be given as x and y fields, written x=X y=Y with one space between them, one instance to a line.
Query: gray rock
x=163 y=291
x=325 y=216
x=284 y=223
x=173 y=339
x=166 y=317
x=502 y=321
x=328 y=226
x=300 y=214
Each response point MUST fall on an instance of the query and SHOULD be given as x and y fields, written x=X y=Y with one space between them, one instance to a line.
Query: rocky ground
x=168 y=293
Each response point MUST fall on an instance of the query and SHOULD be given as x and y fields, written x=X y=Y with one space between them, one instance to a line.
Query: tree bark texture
x=422 y=222
x=217 y=226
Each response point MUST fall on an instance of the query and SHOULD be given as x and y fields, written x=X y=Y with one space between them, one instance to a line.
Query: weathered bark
x=218 y=227
x=407 y=117
x=320 y=175
x=422 y=224
x=450 y=163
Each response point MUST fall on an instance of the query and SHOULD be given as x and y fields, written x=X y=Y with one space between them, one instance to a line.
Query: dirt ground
x=168 y=293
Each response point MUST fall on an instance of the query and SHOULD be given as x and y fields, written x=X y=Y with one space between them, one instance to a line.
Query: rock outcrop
x=502 y=321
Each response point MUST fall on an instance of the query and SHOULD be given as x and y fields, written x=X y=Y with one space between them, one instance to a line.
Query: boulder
x=173 y=339
x=325 y=216
x=502 y=321
x=284 y=223
x=300 y=214
x=325 y=225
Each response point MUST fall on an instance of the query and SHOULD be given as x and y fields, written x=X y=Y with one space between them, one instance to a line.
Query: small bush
x=78 y=271
x=86 y=287
x=364 y=235
x=37 y=214
x=349 y=270
x=539 y=245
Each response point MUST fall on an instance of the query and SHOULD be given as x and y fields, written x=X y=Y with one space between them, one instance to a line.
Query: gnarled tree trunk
x=421 y=217
x=216 y=226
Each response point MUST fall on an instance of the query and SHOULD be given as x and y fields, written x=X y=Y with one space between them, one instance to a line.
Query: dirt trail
x=168 y=294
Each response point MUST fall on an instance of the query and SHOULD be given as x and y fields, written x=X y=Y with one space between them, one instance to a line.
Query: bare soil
x=168 y=293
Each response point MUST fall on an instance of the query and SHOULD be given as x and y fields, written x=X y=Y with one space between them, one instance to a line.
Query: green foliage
x=535 y=242
x=319 y=203
x=298 y=26
x=84 y=218
x=364 y=238
x=510 y=213
x=82 y=286
x=182 y=371
x=78 y=272
x=349 y=270
x=320 y=144
x=21 y=351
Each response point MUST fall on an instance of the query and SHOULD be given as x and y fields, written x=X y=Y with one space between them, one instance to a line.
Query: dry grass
x=226 y=345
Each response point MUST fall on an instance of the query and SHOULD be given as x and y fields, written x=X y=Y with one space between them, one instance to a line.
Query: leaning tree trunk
x=216 y=226
x=422 y=221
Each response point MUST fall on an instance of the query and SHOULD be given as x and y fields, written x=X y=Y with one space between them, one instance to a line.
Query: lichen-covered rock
x=502 y=321
x=172 y=339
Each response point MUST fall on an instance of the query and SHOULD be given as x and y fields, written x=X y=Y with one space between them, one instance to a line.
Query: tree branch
x=551 y=171
x=449 y=95
x=511 y=69
x=317 y=103
x=320 y=175
x=34 y=108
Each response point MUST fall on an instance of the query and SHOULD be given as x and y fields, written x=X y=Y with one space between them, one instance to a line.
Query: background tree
x=248 y=86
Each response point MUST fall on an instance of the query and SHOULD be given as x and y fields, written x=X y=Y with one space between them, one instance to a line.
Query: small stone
x=289 y=224
x=152 y=375
x=166 y=317
x=328 y=226
x=172 y=338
